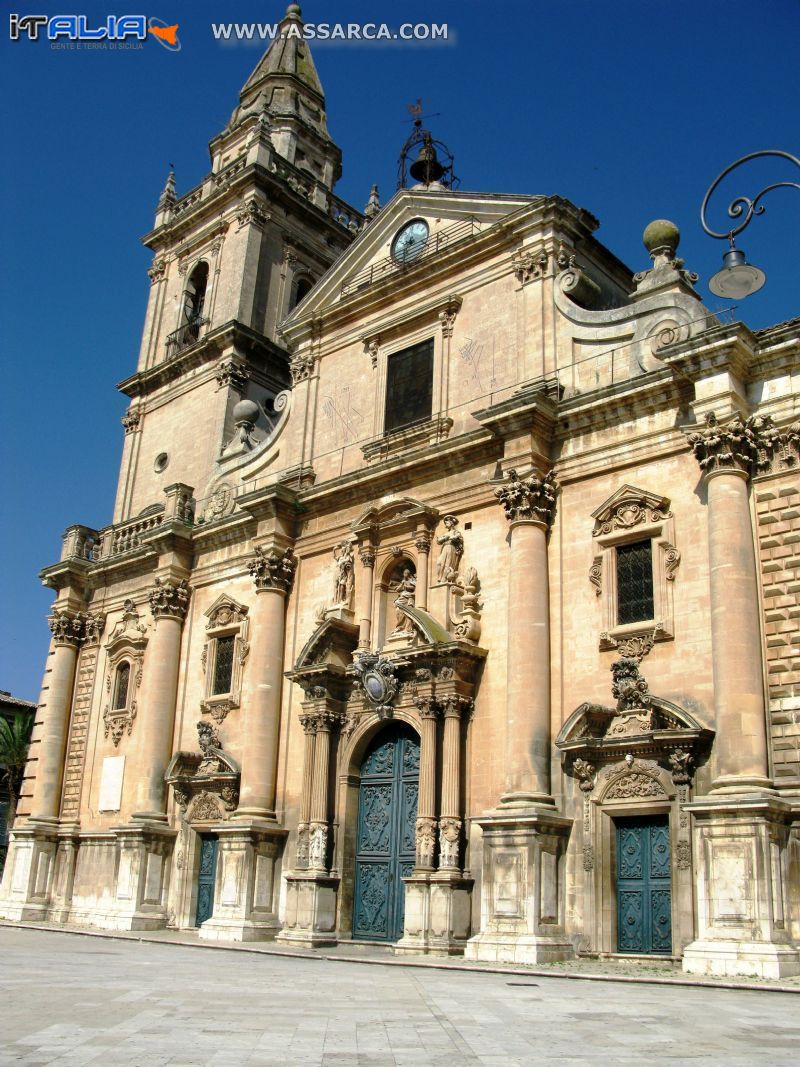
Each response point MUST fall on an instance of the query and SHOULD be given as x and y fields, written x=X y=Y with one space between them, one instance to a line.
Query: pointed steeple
x=373 y=204
x=167 y=198
x=285 y=83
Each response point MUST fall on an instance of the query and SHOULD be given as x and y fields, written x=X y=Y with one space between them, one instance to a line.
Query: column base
x=248 y=872
x=28 y=875
x=522 y=891
x=438 y=912
x=140 y=896
x=310 y=909
x=731 y=783
x=743 y=894
x=729 y=958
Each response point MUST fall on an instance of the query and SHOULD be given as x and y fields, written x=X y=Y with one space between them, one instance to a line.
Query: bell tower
x=231 y=257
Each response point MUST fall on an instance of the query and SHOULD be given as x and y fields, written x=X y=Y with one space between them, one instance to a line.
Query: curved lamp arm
x=743 y=204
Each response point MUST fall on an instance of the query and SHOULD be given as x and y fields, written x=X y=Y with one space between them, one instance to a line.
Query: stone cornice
x=613 y=404
x=533 y=407
x=207 y=350
x=728 y=347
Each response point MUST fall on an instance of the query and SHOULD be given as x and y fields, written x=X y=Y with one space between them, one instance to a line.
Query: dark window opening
x=195 y=296
x=409 y=386
x=223 y=666
x=121 y=683
x=302 y=287
x=635 y=582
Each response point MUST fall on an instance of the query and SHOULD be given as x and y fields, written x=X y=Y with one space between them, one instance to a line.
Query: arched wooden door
x=385 y=849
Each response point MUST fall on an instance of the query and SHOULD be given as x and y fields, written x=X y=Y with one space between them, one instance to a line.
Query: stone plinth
x=140 y=895
x=522 y=891
x=741 y=864
x=248 y=869
x=310 y=916
x=438 y=914
x=28 y=875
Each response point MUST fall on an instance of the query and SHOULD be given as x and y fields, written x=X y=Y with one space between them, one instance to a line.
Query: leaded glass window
x=121 y=683
x=223 y=665
x=635 y=582
x=409 y=386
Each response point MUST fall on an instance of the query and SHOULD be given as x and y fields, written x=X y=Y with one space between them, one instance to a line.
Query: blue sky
x=628 y=108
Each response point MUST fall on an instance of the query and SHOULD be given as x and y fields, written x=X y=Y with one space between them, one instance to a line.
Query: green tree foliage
x=15 y=737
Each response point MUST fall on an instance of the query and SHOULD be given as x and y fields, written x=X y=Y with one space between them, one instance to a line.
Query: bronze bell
x=426 y=168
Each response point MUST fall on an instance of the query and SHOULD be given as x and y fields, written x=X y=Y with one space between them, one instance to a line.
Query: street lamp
x=738 y=278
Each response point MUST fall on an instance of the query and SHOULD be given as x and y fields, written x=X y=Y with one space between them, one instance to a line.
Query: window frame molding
x=126 y=644
x=226 y=618
x=628 y=516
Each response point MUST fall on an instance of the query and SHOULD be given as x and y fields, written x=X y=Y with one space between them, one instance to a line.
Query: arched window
x=302 y=286
x=121 y=683
x=195 y=294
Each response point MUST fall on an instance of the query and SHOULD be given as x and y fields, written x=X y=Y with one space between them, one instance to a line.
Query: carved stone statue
x=345 y=575
x=209 y=741
x=405 y=587
x=452 y=542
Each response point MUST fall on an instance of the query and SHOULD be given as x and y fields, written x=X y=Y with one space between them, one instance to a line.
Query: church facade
x=450 y=599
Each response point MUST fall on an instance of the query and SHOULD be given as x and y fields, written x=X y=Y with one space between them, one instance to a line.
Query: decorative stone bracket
x=205 y=785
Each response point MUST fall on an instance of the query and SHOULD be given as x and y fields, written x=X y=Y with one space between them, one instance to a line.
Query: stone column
x=741 y=828
x=728 y=456
x=156 y=721
x=309 y=723
x=367 y=556
x=318 y=834
x=450 y=820
x=273 y=574
x=422 y=541
x=523 y=900
x=529 y=506
x=429 y=711
x=68 y=632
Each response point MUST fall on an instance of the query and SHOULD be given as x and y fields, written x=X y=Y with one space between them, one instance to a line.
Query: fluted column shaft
x=57 y=699
x=423 y=545
x=367 y=557
x=273 y=573
x=426 y=802
x=319 y=789
x=156 y=719
x=741 y=742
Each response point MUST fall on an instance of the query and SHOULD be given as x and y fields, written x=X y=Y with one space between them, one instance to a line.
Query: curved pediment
x=596 y=722
x=431 y=631
x=331 y=644
x=393 y=512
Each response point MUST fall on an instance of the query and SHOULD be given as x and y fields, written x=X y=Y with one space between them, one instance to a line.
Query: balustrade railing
x=186 y=335
x=129 y=535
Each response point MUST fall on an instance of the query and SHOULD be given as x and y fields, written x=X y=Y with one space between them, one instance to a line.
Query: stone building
x=450 y=598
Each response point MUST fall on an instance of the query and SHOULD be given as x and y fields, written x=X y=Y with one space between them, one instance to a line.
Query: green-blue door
x=209 y=846
x=385 y=849
x=644 y=896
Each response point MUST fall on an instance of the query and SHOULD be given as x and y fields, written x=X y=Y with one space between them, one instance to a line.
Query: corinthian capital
x=737 y=445
x=169 y=600
x=67 y=628
x=529 y=498
x=272 y=570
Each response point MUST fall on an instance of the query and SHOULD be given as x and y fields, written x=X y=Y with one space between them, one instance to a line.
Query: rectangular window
x=223 y=665
x=409 y=386
x=635 y=582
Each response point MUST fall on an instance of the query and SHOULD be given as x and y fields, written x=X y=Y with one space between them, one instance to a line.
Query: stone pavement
x=70 y=1000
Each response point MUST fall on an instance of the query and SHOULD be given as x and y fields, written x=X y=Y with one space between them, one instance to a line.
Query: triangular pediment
x=628 y=507
x=451 y=217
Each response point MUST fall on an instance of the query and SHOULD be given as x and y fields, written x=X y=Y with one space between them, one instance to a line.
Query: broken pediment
x=629 y=507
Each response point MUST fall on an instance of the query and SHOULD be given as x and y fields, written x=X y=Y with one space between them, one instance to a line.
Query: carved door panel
x=387 y=815
x=644 y=895
x=209 y=847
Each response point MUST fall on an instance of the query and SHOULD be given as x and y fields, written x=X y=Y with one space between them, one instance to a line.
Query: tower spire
x=167 y=198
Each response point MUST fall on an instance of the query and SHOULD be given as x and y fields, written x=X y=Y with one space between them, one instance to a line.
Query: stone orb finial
x=245 y=411
x=661 y=234
x=294 y=9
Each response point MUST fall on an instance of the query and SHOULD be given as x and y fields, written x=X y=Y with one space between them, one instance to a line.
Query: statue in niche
x=452 y=542
x=345 y=575
x=404 y=585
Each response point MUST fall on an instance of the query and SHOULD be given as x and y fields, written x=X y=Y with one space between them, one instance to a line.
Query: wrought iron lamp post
x=738 y=278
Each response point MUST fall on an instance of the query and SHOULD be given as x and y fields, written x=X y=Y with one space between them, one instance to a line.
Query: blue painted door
x=385 y=848
x=209 y=846
x=644 y=901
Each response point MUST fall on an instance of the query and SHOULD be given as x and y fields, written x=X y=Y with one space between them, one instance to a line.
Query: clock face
x=410 y=241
